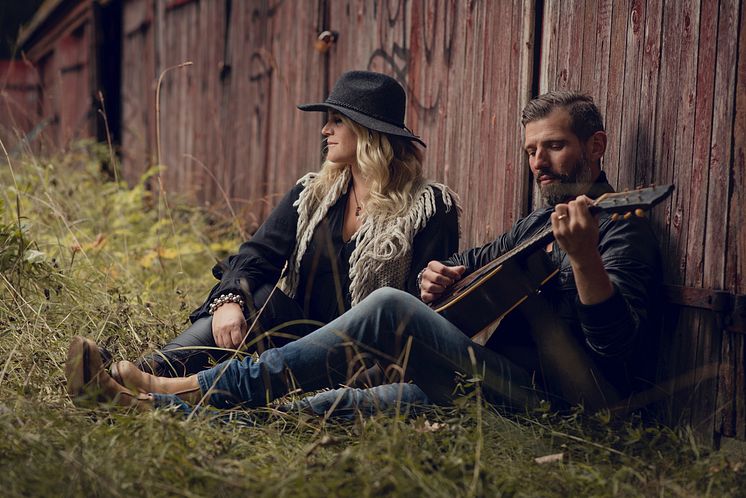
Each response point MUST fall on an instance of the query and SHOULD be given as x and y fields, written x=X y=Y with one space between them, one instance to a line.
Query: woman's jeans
x=389 y=326
x=195 y=350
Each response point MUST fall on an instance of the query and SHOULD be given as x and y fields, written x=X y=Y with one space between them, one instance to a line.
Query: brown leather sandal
x=88 y=383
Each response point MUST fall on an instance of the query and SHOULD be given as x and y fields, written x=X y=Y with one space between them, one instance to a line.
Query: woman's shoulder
x=306 y=180
x=444 y=197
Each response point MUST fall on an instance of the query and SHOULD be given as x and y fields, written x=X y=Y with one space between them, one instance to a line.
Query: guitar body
x=484 y=298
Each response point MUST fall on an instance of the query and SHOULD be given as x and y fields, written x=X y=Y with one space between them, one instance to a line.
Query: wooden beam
x=731 y=306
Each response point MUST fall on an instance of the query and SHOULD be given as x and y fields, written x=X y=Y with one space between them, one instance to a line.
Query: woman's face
x=340 y=140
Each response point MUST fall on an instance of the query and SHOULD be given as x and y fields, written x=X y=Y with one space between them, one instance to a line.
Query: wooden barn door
x=664 y=75
x=467 y=70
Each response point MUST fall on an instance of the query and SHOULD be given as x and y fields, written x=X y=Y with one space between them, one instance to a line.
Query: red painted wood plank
x=293 y=70
x=721 y=146
x=589 y=77
x=683 y=137
x=549 y=41
x=518 y=203
x=664 y=131
x=615 y=89
x=567 y=24
x=630 y=122
x=697 y=190
x=646 y=171
x=736 y=269
x=732 y=389
x=517 y=182
x=603 y=52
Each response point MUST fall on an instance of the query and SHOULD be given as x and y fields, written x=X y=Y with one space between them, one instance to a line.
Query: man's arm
x=616 y=277
x=576 y=231
x=437 y=276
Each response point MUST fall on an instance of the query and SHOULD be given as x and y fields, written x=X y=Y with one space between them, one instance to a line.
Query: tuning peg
x=640 y=213
x=628 y=215
x=615 y=217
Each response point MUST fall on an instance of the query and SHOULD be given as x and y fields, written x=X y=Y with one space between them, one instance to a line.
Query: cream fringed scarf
x=383 y=250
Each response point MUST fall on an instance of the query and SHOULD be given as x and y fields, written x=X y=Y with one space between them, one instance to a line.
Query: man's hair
x=584 y=115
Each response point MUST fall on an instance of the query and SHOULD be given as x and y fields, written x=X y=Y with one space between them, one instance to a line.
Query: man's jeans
x=390 y=326
x=343 y=403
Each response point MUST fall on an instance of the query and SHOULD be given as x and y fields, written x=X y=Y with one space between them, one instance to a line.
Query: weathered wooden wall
x=665 y=75
x=467 y=77
x=19 y=90
x=63 y=54
x=229 y=126
x=230 y=132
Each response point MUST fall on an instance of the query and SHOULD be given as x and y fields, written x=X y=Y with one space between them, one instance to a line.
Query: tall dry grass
x=82 y=254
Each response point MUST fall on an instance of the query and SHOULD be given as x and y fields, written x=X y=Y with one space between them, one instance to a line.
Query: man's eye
x=531 y=153
x=556 y=145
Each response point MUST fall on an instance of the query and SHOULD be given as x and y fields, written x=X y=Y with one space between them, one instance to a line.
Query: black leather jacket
x=619 y=332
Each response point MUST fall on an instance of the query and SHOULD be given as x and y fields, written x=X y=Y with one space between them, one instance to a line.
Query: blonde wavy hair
x=391 y=165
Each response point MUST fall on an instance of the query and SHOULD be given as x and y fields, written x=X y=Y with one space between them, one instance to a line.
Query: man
x=581 y=341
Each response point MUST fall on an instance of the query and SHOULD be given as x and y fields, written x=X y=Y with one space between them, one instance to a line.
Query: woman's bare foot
x=127 y=374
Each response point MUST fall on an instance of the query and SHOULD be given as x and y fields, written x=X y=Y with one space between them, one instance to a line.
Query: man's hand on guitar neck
x=436 y=278
x=576 y=232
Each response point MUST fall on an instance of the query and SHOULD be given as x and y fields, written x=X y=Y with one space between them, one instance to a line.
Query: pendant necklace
x=358 y=208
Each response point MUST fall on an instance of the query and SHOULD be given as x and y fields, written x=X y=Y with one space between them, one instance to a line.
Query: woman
x=366 y=220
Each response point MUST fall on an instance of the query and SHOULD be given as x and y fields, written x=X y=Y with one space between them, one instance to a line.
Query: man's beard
x=569 y=186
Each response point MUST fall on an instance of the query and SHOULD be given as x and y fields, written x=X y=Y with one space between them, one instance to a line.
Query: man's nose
x=539 y=161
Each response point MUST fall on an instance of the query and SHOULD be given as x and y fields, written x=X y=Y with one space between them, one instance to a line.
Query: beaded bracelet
x=224 y=299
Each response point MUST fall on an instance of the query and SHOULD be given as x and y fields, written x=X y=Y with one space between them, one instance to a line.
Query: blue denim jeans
x=343 y=403
x=346 y=402
x=389 y=325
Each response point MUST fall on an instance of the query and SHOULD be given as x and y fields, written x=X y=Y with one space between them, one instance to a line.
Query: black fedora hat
x=373 y=100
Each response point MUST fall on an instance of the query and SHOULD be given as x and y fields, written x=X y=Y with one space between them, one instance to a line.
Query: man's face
x=558 y=159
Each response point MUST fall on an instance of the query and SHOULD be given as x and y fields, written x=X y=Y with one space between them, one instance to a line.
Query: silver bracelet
x=419 y=278
x=224 y=299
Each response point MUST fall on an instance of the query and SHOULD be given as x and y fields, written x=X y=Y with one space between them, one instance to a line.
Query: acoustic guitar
x=478 y=302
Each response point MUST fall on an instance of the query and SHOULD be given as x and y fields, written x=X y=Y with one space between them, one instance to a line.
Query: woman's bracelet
x=419 y=278
x=224 y=299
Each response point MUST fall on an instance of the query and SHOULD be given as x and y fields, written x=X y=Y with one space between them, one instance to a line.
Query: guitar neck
x=537 y=241
x=541 y=238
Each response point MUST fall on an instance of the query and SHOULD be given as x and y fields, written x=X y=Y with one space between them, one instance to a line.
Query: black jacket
x=325 y=265
x=619 y=333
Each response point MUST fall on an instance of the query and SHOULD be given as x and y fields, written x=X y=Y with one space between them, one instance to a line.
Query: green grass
x=81 y=254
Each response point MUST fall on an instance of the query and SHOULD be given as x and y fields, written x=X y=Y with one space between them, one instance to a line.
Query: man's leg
x=347 y=402
x=390 y=324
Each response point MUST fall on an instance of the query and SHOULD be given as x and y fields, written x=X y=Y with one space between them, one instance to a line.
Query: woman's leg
x=195 y=350
x=389 y=324
x=392 y=325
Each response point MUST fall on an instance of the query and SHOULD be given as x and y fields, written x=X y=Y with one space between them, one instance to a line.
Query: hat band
x=364 y=111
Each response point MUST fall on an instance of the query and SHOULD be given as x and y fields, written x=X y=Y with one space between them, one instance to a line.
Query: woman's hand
x=436 y=278
x=228 y=326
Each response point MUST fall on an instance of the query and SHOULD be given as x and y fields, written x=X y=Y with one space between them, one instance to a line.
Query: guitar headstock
x=634 y=201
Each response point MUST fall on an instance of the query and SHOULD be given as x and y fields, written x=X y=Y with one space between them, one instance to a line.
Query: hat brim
x=364 y=120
